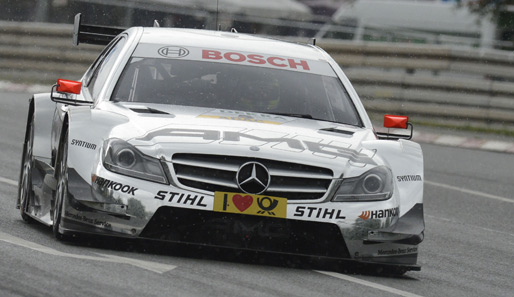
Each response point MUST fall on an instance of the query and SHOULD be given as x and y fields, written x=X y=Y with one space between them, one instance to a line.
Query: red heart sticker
x=242 y=202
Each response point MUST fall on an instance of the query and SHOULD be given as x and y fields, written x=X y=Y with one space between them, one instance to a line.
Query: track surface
x=468 y=248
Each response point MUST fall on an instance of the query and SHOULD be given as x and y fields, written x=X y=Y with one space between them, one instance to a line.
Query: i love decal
x=259 y=205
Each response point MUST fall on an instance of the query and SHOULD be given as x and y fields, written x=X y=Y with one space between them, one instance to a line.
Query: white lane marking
x=473 y=226
x=368 y=284
x=449 y=140
x=8 y=181
x=476 y=193
x=152 y=266
x=496 y=146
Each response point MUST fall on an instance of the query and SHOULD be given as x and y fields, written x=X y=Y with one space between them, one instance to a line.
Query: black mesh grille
x=246 y=232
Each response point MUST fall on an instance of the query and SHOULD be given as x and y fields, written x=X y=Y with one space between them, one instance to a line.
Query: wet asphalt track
x=468 y=248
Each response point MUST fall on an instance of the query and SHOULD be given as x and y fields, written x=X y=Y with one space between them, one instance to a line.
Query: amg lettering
x=83 y=144
x=408 y=178
x=301 y=145
x=204 y=134
x=111 y=185
x=236 y=136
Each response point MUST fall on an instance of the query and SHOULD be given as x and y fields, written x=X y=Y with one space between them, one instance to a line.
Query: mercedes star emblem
x=253 y=178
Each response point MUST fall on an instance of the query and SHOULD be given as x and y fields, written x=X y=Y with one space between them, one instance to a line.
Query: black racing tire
x=61 y=192
x=25 y=192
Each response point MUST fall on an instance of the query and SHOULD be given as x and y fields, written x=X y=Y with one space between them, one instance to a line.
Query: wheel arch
x=41 y=113
x=29 y=116
x=25 y=140
x=43 y=110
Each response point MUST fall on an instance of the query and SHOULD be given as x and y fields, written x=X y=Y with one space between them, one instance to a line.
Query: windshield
x=238 y=87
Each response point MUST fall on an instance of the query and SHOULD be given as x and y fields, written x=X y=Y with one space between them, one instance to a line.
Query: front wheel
x=61 y=193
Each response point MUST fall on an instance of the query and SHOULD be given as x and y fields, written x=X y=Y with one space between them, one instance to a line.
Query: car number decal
x=258 y=205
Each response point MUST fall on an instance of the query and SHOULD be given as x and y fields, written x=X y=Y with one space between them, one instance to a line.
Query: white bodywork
x=103 y=201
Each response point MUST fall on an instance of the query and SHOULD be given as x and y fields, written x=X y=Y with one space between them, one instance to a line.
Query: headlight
x=123 y=158
x=374 y=185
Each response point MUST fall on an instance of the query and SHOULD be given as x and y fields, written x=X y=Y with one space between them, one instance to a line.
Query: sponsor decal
x=231 y=136
x=379 y=214
x=318 y=213
x=272 y=61
x=115 y=186
x=397 y=251
x=181 y=198
x=84 y=144
x=87 y=220
x=409 y=178
x=259 y=205
x=256 y=59
x=173 y=52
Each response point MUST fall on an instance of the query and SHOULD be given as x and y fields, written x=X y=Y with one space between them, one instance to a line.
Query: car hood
x=164 y=130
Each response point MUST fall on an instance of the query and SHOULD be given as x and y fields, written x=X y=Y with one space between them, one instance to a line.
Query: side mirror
x=68 y=86
x=66 y=91
x=396 y=122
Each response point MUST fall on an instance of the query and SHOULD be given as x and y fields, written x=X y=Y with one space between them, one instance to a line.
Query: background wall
x=434 y=84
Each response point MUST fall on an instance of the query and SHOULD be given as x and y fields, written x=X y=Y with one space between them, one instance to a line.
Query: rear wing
x=92 y=34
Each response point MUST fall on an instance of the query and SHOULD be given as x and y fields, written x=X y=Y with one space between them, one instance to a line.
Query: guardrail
x=41 y=53
x=457 y=86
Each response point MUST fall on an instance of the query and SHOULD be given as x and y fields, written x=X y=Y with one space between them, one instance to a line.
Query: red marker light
x=395 y=121
x=68 y=86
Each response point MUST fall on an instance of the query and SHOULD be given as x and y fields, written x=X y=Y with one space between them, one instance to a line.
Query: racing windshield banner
x=234 y=57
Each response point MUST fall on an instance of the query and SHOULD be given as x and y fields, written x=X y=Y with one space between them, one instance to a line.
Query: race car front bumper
x=96 y=210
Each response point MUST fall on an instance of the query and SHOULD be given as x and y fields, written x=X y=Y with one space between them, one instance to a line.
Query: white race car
x=221 y=139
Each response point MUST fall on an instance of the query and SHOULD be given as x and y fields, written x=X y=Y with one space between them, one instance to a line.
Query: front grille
x=218 y=173
x=246 y=232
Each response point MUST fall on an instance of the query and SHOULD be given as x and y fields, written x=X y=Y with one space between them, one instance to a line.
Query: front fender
x=87 y=130
x=405 y=159
x=44 y=109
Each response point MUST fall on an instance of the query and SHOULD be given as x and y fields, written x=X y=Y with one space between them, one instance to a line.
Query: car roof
x=230 y=41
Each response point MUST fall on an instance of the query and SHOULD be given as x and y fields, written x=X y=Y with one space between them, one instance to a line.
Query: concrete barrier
x=440 y=84
x=41 y=53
